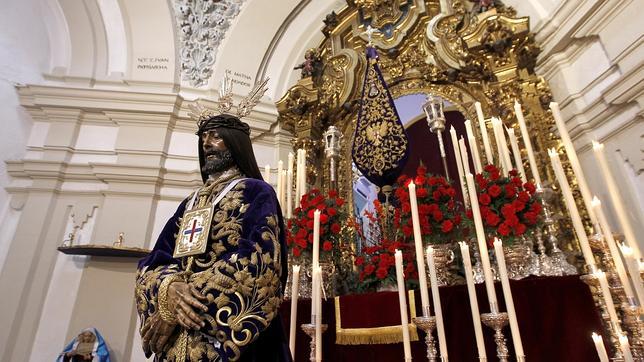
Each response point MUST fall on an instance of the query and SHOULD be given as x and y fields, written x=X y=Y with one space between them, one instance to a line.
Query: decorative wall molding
x=202 y=26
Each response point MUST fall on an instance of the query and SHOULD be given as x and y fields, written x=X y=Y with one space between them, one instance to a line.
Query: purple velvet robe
x=243 y=273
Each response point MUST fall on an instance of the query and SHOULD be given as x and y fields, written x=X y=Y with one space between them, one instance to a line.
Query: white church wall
x=592 y=61
x=24 y=51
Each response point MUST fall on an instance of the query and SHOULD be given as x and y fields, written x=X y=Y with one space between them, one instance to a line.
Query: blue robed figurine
x=89 y=345
x=211 y=288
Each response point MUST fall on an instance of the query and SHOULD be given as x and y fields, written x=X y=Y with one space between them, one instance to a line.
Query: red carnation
x=309 y=224
x=484 y=199
x=490 y=168
x=510 y=190
x=494 y=190
x=301 y=243
x=513 y=172
x=519 y=229
x=516 y=181
x=518 y=205
x=296 y=251
x=420 y=179
x=494 y=175
x=504 y=229
x=421 y=192
x=369 y=269
x=530 y=187
x=335 y=228
x=332 y=211
x=327 y=246
x=436 y=195
x=359 y=260
x=381 y=273
x=507 y=210
x=438 y=215
x=333 y=194
x=407 y=230
x=324 y=218
x=524 y=196
x=406 y=207
x=492 y=219
x=339 y=202
x=421 y=170
x=447 y=226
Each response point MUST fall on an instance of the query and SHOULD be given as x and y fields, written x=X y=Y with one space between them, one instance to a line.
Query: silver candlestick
x=498 y=321
x=427 y=325
x=309 y=329
x=558 y=263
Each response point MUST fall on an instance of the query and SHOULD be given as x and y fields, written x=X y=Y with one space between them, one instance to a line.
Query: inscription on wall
x=240 y=78
x=152 y=63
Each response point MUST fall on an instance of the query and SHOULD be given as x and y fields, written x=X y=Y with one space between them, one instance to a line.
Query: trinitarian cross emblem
x=193 y=236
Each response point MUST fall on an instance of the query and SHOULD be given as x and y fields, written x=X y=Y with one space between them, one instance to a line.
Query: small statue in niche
x=89 y=345
x=312 y=65
x=481 y=6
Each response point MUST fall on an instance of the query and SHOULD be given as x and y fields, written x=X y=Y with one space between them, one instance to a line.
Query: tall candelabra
x=332 y=148
x=630 y=313
x=555 y=263
x=435 y=115
x=498 y=321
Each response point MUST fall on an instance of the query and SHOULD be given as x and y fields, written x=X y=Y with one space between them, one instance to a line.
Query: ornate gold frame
x=463 y=57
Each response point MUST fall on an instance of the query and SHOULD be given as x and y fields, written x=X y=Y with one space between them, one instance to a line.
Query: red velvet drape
x=556 y=318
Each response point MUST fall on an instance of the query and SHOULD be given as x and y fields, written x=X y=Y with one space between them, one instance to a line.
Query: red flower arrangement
x=376 y=265
x=299 y=233
x=508 y=206
x=438 y=210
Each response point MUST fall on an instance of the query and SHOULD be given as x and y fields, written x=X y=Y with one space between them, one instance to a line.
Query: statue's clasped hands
x=184 y=302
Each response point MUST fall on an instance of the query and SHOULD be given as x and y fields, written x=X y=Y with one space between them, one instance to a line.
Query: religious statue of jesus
x=211 y=288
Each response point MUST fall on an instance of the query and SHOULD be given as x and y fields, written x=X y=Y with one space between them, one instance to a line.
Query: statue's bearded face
x=217 y=156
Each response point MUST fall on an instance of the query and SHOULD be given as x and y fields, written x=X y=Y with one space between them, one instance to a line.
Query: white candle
x=440 y=328
x=303 y=178
x=574 y=161
x=599 y=346
x=418 y=243
x=633 y=265
x=280 y=186
x=612 y=247
x=283 y=191
x=471 y=139
x=480 y=236
x=466 y=169
x=608 y=299
x=502 y=146
x=315 y=288
x=403 y=305
x=316 y=239
x=295 y=289
x=267 y=173
x=474 y=304
x=625 y=347
x=289 y=194
x=459 y=162
x=486 y=140
x=618 y=203
x=318 y=319
x=528 y=144
x=298 y=174
x=517 y=154
x=572 y=209
x=509 y=301
x=290 y=161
